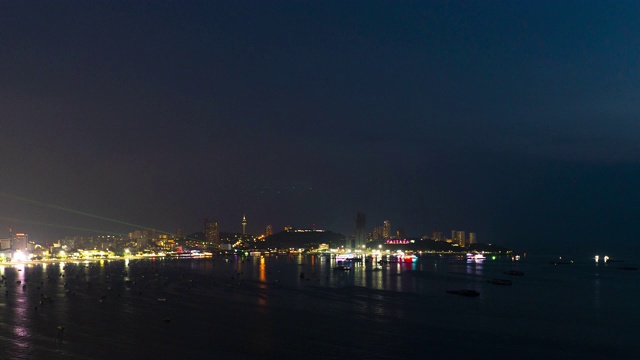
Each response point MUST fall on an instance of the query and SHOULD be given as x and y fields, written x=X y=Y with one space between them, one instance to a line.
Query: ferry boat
x=475 y=257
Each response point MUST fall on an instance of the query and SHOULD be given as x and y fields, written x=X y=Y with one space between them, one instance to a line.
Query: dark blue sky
x=516 y=120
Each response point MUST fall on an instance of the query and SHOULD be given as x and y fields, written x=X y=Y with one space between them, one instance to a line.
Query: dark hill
x=293 y=239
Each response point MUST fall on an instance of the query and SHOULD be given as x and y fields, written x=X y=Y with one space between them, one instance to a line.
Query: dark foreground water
x=260 y=307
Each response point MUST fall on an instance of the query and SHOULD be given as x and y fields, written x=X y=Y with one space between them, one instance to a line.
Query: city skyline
x=211 y=230
x=518 y=121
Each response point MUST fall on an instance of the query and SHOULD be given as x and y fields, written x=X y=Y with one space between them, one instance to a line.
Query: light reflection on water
x=368 y=290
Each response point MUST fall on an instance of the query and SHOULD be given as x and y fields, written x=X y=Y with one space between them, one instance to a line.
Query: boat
x=514 y=273
x=344 y=257
x=399 y=258
x=475 y=257
x=505 y=282
x=464 y=292
x=629 y=268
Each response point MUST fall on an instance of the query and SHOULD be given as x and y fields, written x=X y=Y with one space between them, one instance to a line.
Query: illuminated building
x=244 y=225
x=361 y=232
x=458 y=237
x=269 y=231
x=377 y=233
x=436 y=235
x=19 y=242
x=472 y=238
x=211 y=234
x=386 y=230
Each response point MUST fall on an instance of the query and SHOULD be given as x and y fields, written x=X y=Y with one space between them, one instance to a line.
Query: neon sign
x=397 y=241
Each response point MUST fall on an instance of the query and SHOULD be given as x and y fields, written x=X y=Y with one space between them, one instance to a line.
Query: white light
x=19 y=256
x=597 y=258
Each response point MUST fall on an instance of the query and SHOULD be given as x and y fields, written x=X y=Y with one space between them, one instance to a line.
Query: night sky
x=517 y=120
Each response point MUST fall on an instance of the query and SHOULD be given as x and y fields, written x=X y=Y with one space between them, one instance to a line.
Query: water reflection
x=262 y=270
x=474 y=268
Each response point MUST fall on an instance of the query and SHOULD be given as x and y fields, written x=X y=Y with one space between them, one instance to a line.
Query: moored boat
x=464 y=292
x=505 y=282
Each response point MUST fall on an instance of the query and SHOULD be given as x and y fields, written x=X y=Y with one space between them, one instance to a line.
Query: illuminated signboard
x=397 y=241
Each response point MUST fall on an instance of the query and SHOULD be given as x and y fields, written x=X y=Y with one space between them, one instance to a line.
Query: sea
x=300 y=306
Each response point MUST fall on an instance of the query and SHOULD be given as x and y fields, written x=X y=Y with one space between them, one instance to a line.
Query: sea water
x=294 y=306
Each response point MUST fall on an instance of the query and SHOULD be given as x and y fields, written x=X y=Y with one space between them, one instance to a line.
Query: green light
x=62 y=208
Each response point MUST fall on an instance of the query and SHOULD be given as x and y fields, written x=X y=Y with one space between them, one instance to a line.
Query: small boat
x=628 y=268
x=505 y=282
x=162 y=299
x=514 y=273
x=464 y=292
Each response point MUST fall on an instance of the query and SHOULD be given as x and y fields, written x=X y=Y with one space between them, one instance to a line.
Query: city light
x=19 y=256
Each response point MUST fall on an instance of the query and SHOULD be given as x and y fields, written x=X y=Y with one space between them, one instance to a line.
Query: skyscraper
x=377 y=233
x=458 y=237
x=244 y=225
x=386 y=230
x=472 y=238
x=19 y=241
x=269 y=231
x=211 y=233
x=361 y=231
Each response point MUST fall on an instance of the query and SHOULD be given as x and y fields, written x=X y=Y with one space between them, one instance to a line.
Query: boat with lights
x=475 y=257
x=398 y=258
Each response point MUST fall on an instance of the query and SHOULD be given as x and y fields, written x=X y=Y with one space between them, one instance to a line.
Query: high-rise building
x=377 y=233
x=386 y=230
x=269 y=231
x=244 y=225
x=361 y=231
x=211 y=233
x=472 y=238
x=458 y=237
x=19 y=242
x=436 y=235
